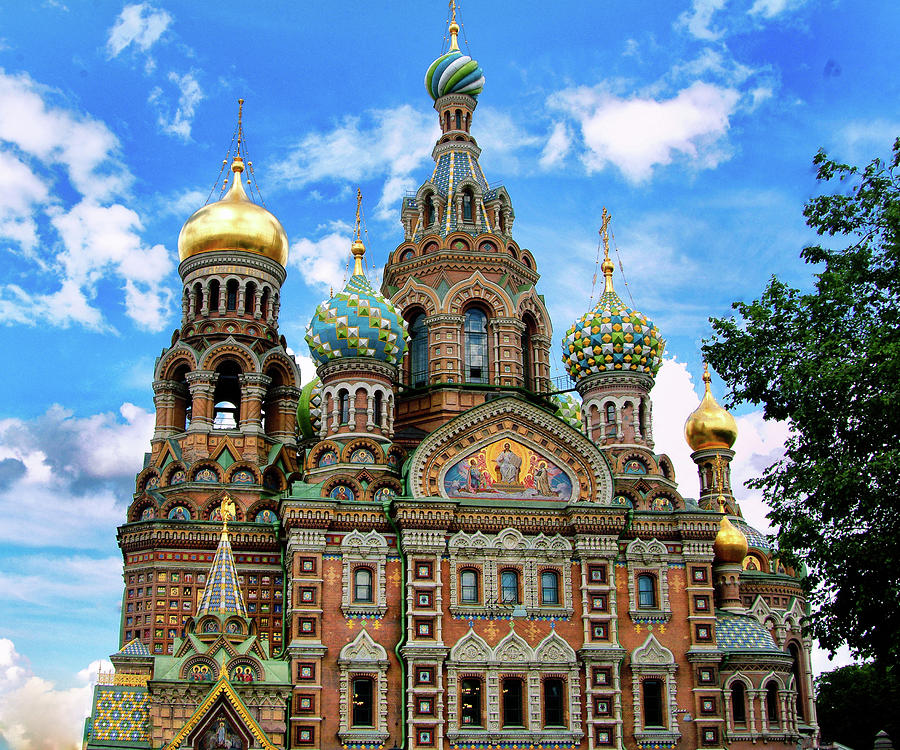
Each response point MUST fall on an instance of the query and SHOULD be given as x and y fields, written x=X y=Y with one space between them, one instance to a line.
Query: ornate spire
x=358 y=249
x=607 y=266
x=709 y=426
x=453 y=28
x=222 y=594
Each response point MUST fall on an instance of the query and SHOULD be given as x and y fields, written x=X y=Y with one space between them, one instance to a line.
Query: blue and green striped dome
x=612 y=337
x=454 y=73
x=357 y=322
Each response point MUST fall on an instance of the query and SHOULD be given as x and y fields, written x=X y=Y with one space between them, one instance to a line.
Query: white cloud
x=73 y=243
x=637 y=134
x=323 y=262
x=772 y=8
x=36 y=713
x=140 y=24
x=558 y=145
x=389 y=144
x=698 y=19
x=177 y=121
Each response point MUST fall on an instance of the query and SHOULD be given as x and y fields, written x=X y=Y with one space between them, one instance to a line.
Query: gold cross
x=604 y=231
x=358 y=204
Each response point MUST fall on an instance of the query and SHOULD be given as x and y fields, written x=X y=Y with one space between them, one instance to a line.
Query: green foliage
x=828 y=362
x=856 y=702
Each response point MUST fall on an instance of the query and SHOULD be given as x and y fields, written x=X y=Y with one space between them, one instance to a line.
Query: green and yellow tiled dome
x=357 y=322
x=568 y=409
x=454 y=72
x=612 y=337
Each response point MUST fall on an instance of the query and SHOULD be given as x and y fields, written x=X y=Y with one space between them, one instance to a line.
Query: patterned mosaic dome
x=454 y=73
x=568 y=409
x=309 y=409
x=357 y=322
x=612 y=337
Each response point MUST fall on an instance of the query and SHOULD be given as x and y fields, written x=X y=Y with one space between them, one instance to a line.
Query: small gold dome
x=234 y=223
x=710 y=426
x=731 y=544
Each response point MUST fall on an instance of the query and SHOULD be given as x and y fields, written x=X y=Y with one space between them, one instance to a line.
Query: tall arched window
x=549 y=587
x=363 y=698
x=227 y=397
x=250 y=298
x=653 y=703
x=198 y=298
x=470 y=702
x=362 y=585
x=231 y=294
x=772 y=702
x=527 y=353
x=798 y=682
x=343 y=406
x=476 y=361
x=264 y=304
x=458 y=122
x=610 y=413
x=554 y=703
x=430 y=213
x=739 y=703
x=511 y=702
x=646 y=592
x=418 y=351
x=468 y=587
x=509 y=587
x=468 y=201
x=214 y=291
x=376 y=407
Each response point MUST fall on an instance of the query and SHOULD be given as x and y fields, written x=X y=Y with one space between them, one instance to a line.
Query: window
x=653 y=703
x=231 y=293
x=214 y=295
x=362 y=702
x=470 y=702
x=549 y=587
x=362 y=585
x=476 y=364
x=646 y=592
x=739 y=703
x=344 y=406
x=554 y=703
x=418 y=351
x=509 y=587
x=458 y=120
x=227 y=397
x=430 y=213
x=379 y=399
x=610 y=413
x=511 y=697
x=772 y=702
x=467 y=205
x=468 y=587
x=798 y=683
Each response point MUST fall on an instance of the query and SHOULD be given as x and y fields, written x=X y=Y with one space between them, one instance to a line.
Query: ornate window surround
x=650 y=557
x=362 y=657
x=652 y=660
x=369 y=550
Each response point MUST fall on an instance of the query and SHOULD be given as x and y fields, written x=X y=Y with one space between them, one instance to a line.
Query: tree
x=855 y=702
x=828 y=362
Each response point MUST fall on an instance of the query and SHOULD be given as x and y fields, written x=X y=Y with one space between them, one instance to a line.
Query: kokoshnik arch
x=430 y=545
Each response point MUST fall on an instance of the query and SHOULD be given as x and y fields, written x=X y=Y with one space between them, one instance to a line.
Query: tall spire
x=607 y=266
x=454 y=28
x=358 y=249
x=222 y=594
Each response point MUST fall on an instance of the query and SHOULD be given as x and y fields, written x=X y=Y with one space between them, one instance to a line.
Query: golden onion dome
x=234 y=223
x=710 y=426
x=731 y=544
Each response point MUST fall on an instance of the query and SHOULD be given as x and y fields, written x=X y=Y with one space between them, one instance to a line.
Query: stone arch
x=342 y=479
x=147 y=479
x=652 y=653
x=362 y=650
x=513 y=648
x=246 y=662
x=138 y=507
x=312 y=458
x=187 y=670
x=363 y=442
x=174 y=502
x=553 y=649
x=245 y=466
x=230 y=348
x=472 y=650
x=477 y=289
x=170 y=471
x=172 y=360
x=414 y=293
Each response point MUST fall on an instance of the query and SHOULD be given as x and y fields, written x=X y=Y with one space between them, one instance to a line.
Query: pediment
x=509 y=449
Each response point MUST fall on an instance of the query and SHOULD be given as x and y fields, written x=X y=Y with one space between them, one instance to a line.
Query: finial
x=607 y=266
x=227 y=510
x=706 y=376
x=358 y=249
x=454 y=27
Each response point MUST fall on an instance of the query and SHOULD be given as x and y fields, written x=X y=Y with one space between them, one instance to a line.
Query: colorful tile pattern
x=357 y=322
x=742 y=633
x=134 y=647
x=611 y=337
x=568 y=409
x=121 y=715
x=309 y=409
x=222 y=594
x=755 y=538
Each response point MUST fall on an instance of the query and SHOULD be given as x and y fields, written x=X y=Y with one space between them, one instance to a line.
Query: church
x=434 y=544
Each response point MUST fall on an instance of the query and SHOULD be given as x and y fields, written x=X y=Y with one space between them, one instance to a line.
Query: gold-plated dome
x=710 y=426
x=234 y=223
x=731 y=544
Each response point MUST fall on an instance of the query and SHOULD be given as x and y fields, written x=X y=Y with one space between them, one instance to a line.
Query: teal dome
x=309 y=409
x=357 y=322
x=454 y=73
x=612 y=337
x=568 y=409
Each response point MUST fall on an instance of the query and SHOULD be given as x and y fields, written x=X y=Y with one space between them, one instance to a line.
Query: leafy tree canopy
x=828 y=362
x=855 y=702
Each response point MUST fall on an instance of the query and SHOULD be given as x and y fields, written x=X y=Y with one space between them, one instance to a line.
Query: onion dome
x=309 y=409
x=612 y=337
x=730 y=545
x=357 y=322
x=454 y=73
x=710 y=426
x=568 y=409
x=234 y=223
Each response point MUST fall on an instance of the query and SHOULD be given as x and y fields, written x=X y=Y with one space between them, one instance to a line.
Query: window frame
x=357 y=572
x=545 y=602
x=476 y=346
x=547 y=709
x=476 y=704
x=359 y=680
x=475 y=586
x=510 y=704
x=654 y=598
x=504 y=586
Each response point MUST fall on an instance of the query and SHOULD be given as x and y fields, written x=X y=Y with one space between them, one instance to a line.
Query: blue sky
x=695 y=123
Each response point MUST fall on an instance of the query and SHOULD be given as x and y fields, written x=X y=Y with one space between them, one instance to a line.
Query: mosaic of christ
x=506 y=469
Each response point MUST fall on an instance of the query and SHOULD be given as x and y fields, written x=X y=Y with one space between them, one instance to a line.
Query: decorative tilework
x=121 y=715
x=568 y=409
x=742 y=633
x=222 y=594
x=134 y=648
x=755 y=538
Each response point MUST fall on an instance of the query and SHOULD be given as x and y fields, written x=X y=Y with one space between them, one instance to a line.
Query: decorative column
x=164 y=394
x=506 y=334
x=253 y=390
x=445 y=358
x=202 y=384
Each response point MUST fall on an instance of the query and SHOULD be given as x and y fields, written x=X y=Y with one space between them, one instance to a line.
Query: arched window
x=447 y=120
x=231 y=293
x=407 y=254
x=363 y=695
x=430 y=213
x=343 y=406
x=468 y=587
x=418 y=351
x=250 y=298
x=362 y=585
x=798 y=682
x=264 y=304
x=376 y=407
x=468 y=201
x=549 y=587
x=772 y=702
x=610 y=413
x=511 y=695
x=214 y=291
x=554 y=703
x=470 y=702
x=476 y=363
x=227 y=397
x=646 y=592
x=653 y=704
x=458 y=122
x=642 y=417
x=739 y=703
x=198 y=298
x=183 y=403
x=528 y=351
x=509 y=587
